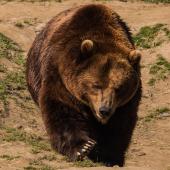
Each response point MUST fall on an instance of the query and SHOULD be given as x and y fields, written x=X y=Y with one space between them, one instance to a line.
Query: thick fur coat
x=84 y=74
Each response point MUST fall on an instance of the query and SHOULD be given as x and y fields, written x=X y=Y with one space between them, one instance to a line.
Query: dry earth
x=23 y=140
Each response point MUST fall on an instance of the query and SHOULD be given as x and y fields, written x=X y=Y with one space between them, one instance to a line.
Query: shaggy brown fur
x=84 y=74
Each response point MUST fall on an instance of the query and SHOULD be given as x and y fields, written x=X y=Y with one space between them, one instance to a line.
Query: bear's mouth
x=103 y=119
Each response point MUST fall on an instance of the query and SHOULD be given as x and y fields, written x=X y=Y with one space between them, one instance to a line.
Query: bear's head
x=103 y=80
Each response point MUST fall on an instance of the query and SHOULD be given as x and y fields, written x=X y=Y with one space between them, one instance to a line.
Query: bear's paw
x=85 y=149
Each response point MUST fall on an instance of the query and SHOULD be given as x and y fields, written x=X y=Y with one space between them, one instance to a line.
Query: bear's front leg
x=84 y=150
x=69 y=131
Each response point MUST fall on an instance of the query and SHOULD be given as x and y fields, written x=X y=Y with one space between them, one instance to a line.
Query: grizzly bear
x=84 y=74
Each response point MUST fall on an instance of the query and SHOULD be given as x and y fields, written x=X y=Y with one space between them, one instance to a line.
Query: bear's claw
x=87 y=147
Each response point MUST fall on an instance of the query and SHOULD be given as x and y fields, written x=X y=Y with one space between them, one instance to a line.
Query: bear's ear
x=87 y=47
x=134 y=56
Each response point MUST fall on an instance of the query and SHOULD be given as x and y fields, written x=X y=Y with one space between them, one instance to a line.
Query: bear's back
x=35 y=55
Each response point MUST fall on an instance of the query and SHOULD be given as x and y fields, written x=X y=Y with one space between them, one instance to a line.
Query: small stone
x=141 y=154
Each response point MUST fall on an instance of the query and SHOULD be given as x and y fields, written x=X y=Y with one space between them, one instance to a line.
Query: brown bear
x=84 y=73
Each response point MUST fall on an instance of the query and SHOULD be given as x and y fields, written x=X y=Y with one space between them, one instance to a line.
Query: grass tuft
x=39 y=165
x=86 y=163
x=157 y=1
x=36 y=142
x=8 y=48
x=151 y=81
x=30 y=168
x=12 y=82
x=3 y=68
x=157 y=113
x=48 y=157
x=148 y=36
x=9 y=157
x=32 y=1
x=159 y=70
x=11 y=85
x=19 y=24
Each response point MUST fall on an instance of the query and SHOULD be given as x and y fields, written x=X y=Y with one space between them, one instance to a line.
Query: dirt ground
x=150 y=147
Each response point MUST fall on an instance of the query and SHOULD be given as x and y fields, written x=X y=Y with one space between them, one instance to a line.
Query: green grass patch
x=39 y=165
x=103 y=0
x=157 y=1
x=33 y=1
x=34 y=141
x=9 y=49
x=19 y=24
x=14 y=81
x=86 y=163
x=147 y=37
x=26 y=22
x=162 y=110
x=9 y=157
x=151 y=81
x=167 y=31
x=46 y=167
x=48 y=157
x=30 y=168
x=35 y=162
x=30 y=21
x=157 y=113
x=3 y=68
x=3 y=98
x=11 y=85
x=159 y=70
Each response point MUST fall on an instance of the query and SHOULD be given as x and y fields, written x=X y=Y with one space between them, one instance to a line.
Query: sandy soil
x=150 y=147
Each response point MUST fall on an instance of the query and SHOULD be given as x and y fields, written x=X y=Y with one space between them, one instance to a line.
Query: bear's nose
x=104 y=111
